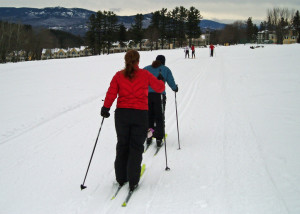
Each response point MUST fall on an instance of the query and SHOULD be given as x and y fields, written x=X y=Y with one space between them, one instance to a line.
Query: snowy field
x=239 y=121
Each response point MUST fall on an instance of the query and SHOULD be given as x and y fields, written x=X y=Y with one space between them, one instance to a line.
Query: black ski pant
x=131 y=127
x=211 y=52
x=156 y=116
x=193 y=54
x=187 y=53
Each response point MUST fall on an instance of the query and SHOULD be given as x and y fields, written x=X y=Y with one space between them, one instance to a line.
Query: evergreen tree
x=281 y=30
x=152 y=34
x=91 y=34
x=250 y=30
x=154 y=25
x=182 y=19
x=163 y=26
x=174 y=25
x=102 y=30
x=122 y=35
x=137 y=29
x=111 y=29
x=296 y=25
x=169 y=29
x=99 y=32
x=193 y=24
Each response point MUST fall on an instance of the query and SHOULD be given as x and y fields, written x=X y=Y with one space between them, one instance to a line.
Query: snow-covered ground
x=239 y=121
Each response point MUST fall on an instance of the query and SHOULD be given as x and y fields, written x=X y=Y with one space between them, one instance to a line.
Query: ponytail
x=156 y=64
x=132 y=58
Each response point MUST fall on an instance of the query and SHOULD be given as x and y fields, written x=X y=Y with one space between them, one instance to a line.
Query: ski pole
x=177 y=122
x=163 y=117
x=82 y=185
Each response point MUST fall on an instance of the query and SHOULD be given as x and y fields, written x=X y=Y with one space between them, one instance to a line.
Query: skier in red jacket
x=131 y=116
x=193 y=51
x=211 y=50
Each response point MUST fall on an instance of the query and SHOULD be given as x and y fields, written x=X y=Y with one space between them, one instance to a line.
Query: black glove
x=160 y=77
x=105 y=112
x=176 y=89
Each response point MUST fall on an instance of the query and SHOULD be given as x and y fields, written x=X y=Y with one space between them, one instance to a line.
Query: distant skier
x=156 y=116
x=187 y=51
x=211 y=50
x=131 y=116
x=193 y=51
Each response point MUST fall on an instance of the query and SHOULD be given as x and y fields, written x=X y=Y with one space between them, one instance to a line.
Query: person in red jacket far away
x=131 y=116
x=193 y=51
x=211 y=50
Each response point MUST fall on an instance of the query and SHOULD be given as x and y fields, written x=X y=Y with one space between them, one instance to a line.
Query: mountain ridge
x=73 y=20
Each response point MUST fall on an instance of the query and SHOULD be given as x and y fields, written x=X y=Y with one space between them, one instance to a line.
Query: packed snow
x=239 y=126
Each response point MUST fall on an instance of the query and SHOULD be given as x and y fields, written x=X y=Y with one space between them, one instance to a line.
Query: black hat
x=161 y=58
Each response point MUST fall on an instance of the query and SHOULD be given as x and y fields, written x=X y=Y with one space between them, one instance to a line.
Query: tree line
x=236 y=33
x=279 y=20
x=15 y=37
x=175 y=27
x=180 y=25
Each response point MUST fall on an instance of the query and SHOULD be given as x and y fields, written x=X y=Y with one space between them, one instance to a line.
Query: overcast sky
x=209 y=9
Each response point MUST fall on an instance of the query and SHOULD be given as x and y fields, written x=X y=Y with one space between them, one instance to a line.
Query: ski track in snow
x=236 y=153
x=23 y=130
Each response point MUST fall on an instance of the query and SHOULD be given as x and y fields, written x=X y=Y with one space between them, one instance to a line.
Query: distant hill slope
x=213 y=25
x=73 y=20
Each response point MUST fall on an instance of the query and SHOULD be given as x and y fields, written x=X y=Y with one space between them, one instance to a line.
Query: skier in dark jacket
x=131 y=116
x=187 y=51
x=155 y=100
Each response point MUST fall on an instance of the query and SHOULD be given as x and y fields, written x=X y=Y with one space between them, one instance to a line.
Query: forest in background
x=177 y=27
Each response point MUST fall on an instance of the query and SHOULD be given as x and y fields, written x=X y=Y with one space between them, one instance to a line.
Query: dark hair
x=156 y=64
x=132 y=58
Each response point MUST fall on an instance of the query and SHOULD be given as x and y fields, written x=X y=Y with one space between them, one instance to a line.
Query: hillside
x=73 y=20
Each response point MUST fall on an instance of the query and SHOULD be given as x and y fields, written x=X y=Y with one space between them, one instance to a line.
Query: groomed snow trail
x=239 y=121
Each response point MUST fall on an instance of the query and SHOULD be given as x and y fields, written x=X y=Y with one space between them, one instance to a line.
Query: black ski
x=127 y=198
x=158 y=149
x=116 y=193
x=147 y=147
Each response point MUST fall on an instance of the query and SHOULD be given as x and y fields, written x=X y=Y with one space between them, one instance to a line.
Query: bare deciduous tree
x=280 y=20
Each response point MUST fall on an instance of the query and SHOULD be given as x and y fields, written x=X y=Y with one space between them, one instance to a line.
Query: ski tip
x=143 y=169
x=113 y=198
x=124 y=204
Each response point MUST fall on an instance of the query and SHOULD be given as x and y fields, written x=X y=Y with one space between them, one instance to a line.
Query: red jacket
x=211 y=47
x=132 y=93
